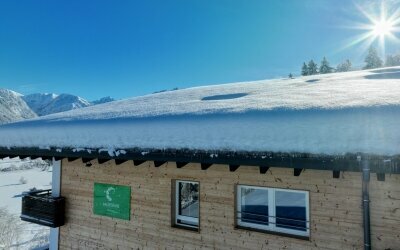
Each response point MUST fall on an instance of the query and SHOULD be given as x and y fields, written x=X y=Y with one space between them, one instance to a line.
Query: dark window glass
x=291 y=210
x=254 y=206
x=188 y=205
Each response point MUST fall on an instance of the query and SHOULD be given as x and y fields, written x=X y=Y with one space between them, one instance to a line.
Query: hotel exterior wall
x=335 y=208
x=385 y=212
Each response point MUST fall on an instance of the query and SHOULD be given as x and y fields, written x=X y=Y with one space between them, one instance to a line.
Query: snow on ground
x=333 y=114
x=10 y=163
x=379 y=87
x=11 y=188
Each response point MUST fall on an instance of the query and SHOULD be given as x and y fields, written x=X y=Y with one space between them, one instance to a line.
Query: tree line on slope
x=311 y=68
x=372 y=61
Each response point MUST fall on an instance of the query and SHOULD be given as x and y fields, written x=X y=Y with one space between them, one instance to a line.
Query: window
x=186 y=204
x=272 y=209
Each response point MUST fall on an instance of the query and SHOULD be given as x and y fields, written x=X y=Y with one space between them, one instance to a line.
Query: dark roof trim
x=348 y=162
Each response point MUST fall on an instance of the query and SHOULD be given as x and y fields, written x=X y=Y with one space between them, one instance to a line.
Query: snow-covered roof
x=331 y=114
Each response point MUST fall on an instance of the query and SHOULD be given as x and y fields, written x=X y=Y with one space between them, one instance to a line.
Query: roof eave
x=347 y=162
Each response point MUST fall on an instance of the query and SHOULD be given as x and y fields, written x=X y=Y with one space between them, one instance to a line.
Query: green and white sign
x=112 y=200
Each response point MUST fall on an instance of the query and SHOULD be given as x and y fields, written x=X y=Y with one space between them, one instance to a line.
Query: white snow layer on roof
x=332 y=114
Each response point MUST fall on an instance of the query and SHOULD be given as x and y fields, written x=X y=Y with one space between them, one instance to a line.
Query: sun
x=382 y=28
x=383 y=24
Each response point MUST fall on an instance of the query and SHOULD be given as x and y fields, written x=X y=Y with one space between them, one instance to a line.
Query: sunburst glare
x=382 y=25
x=382 y=28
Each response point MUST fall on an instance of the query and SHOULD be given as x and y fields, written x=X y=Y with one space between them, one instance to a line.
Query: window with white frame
x=187 y=204
x=272 y=209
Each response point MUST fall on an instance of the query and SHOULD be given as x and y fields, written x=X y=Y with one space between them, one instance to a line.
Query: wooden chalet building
x=307 y=163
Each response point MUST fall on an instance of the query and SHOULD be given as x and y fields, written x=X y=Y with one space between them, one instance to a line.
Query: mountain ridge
x=50 y=103
x=45 y=104
x=13 y=107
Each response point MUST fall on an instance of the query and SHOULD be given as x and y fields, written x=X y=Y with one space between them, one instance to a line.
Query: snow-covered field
x=17 y=176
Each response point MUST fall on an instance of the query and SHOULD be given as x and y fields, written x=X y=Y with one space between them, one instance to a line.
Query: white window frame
x=177 y=204
x=272 y=211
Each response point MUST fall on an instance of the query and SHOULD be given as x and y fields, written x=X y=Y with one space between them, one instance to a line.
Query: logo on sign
x=108 y=192
x=112 y=200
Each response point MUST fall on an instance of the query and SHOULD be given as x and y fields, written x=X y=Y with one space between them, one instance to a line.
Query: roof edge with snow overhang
x=264 y=160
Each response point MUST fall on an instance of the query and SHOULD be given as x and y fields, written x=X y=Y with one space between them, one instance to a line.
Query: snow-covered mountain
x=38 y=101
x=103 y=100
x=44 y=104
x=13 y=107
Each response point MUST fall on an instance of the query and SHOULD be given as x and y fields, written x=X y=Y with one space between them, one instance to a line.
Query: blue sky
x=130 y=48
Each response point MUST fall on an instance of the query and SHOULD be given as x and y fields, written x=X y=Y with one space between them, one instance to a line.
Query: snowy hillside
x=44 y=104
x=332 y=114
x=13 y=108
x=368 y=88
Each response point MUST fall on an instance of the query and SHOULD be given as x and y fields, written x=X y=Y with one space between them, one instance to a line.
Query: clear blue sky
x=130 y=48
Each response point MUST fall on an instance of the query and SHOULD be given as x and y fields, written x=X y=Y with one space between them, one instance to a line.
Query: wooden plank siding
x=335 y=208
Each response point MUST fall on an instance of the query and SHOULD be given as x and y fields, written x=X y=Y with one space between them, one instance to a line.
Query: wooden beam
x=47 y=158
x=58 y=158
x=181 y=164
x=336 y=174
x=138 y=162
x=72 y=158
x=233 y=168
x=297 y=171
x=263 y=169
x=119 y=161
x=205 y=166
x=158 y=163
x=101 y=161
x=11 y=156
x=380 y=176
x=350 y=162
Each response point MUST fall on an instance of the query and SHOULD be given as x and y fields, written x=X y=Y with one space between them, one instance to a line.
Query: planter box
x=41 y=208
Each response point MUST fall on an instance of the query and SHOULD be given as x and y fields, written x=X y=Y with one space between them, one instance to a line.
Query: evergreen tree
x=392 y=60
x=389 y=61
x=372 y=60
x=344 y=66
x=312 y=68
x=397 y=60
x=325 y=68
x=290 y=76
x=304 y=70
